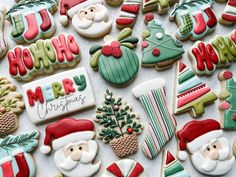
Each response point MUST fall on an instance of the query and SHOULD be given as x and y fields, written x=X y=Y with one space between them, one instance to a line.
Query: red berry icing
x=234 y=116
x=227 y=75
x=156 y=52
x=113 y=49
x=148 y=17
x=145 y=44
x=130 y=130
x=107 y=50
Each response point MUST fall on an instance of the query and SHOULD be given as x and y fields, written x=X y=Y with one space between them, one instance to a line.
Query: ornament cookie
x=171 y=167
x=128 y=14
x=114 y=2
x=116 y=61
x=227 y=96
x=74 y=146
x=194 y=18
x=119 y=126
x=209 y=150
x=32 y=20
x=162 y=123
x=15 y=160
x=89 y=17
x=228 y=17
x=10 y=105
x=58 y=95
x=125 y=168
x=191 y=94
x=3 y=44
x=43 y=57
x=206 y=57
x=159 y=49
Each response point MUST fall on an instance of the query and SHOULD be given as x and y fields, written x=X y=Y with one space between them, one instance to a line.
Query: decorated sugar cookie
x=15 y=160
x=58 y=95
x=191 y=94
x=3 y=44
x=194 y=18
x=88 y=17
x=74 y=146
x=43 y=57
x=209 y=150
x=115 y=60
x=227 y=96
x=114 y=2
x=206 y=57
x=128 y=14
x=119 y=126
x=162 y=124
x=159 y=49
x=228 y=16
x=125 y=168
x=171 y=167
x=32 y=20
x=10 y=105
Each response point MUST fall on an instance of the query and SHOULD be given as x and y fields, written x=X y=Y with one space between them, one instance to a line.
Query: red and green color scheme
x=116 y=61
x=191 y=94
x=171 y=167
x=228 y=16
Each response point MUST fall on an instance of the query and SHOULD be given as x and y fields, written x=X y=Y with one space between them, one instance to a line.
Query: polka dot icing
x=159 y=35
x=145 y=44
x=156 y=52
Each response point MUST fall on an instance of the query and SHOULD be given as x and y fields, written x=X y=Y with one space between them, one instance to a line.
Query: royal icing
x=162 y=123
x=3 y=44
x=209 y=150
x=116 y=61
x=74 y=146
x=125 y=167
x=128 y=14
x=206 y=57
x=43 y=56
x=191 y=94
x=195 y=18
x=15 y=158
x=32 y=20
x=119 y=126
x=58 y=95
x=228 y=16
x=10 y=105
x=159 y=49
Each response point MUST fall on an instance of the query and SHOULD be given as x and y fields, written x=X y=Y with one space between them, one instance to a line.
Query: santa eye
x=80 y=148
x=86 y=13
x=91 y=10
x=71 y=149
x=208 y=149
x=214 y=146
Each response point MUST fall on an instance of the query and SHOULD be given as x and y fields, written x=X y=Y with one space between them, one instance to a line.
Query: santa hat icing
x=67 y=131
x=195 y=134
x=70 y=7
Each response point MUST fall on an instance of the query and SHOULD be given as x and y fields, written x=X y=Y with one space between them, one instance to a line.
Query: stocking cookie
x=162 y=123
x=74 y=146
x=116 y=61
x=58 y=95
x=32 y=20
x=114 y=2
x=194 y=18
x=171 y=167
x=191 y=94
x=119 y=126
x=3 y=44
x=206 y=57
x=43 y=57
x=89 y=17
x=209 y=150
x=125 y=167
x=10 y=105
x=159 y=49
x=228 y=17
x=15 y=159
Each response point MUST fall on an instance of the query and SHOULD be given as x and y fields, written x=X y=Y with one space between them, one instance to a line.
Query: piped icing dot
x=156 y=52
x=157 y=22
x=159 y=35
x=149 y=17
x=145 y=44
x=224 y=105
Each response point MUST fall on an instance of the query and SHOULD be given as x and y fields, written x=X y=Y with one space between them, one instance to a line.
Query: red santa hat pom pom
x=45 y=149
x=182 y=155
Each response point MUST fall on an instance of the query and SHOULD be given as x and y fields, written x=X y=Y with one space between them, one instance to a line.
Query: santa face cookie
x=116 y=61
x=58 y=95
x=10 y=105
x=15 y=160
x=89 y=17
x=43 y=57
x=74 y=146
x=159 y=49
x=32 y=20
x=119 y=126
x=3 y=44
x=209 y=150
x=228 y=16
x=194 y=18
x=124 y=168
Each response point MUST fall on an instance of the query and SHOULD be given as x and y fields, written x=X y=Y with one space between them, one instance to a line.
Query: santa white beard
x=214 y=167
x=81 y=168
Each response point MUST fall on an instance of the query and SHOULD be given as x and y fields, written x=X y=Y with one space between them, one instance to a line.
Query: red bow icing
x=113 y=49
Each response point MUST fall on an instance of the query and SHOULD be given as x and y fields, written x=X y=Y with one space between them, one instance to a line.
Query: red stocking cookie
x=228 y=16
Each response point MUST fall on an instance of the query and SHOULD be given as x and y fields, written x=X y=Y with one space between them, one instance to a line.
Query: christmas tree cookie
x=116 y=61
x=172 y=167
x=159 y=49
x=119 y=126
x=228 y=17
x=191 y=94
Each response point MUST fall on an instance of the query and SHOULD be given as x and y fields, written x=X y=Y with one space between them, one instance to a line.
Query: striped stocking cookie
x=162 y=123
x=228 y=16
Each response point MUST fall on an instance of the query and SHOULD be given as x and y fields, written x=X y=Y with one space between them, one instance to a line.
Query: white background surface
x=45 y=164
